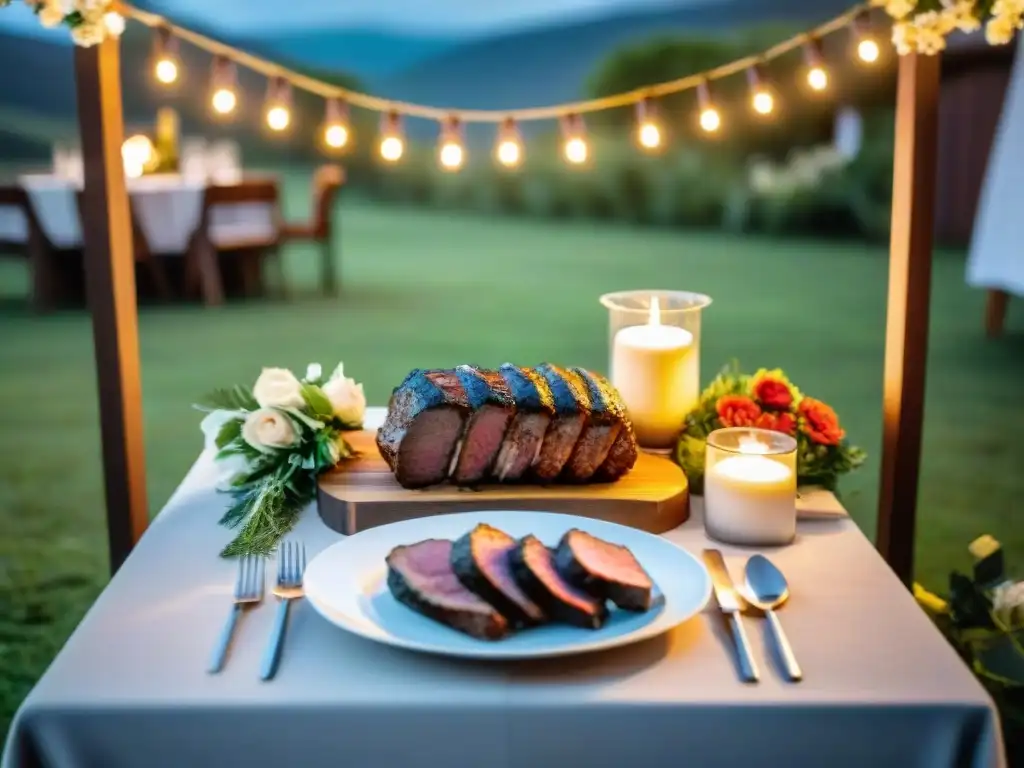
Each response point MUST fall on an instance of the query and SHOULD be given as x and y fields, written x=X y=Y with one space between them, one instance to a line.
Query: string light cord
x=377 y=104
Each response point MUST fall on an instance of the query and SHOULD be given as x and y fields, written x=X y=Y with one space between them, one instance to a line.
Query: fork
x=248 y=592
x=291 y=562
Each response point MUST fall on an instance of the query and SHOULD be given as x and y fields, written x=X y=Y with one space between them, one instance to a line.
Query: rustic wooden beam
x=906 y=339
x=996 y=303
x=110 y=287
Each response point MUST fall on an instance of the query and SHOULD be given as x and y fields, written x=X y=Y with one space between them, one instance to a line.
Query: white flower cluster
x=925 y=31
x=1008 y=603
x=91 y=21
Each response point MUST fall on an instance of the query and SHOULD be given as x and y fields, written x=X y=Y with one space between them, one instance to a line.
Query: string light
x=648 y=132
x=392 y=146
x=336 y=125
x=509 y=148
x=114 y=22
x=761 y=97
x=710 y=119
x=868 y=49
x=450 y=152
x=278 y=110
x=166 y=64
x=223 y=98
x=817 y=75
x=575 y=146
x=137 y=152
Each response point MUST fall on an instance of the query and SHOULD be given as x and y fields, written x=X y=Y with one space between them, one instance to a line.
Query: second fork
x=291 y=563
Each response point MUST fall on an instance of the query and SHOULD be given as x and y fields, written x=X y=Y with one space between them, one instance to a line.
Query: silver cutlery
x=731 y=603
x=291 y=563
x=768 y=590
x=248 y=592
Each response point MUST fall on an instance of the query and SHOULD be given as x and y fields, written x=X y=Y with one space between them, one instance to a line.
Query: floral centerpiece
x=286 y=432
x=923 y=25
x=90 y=21
x=768 y=400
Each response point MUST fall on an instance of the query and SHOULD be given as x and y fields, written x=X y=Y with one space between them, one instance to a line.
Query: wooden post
x=906 y=339
x=110 y=287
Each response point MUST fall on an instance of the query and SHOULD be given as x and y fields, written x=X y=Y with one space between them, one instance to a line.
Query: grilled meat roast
x=609 y=571
x=472 y=425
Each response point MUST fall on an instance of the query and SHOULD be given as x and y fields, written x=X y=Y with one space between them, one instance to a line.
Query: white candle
x=656 y=370
x=750 y=499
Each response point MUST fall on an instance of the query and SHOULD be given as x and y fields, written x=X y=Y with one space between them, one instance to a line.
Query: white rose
x=347 y=398
x=51 y=14
x=314 y=372
x=268 y=428
x=87 y=35
x=278 y=388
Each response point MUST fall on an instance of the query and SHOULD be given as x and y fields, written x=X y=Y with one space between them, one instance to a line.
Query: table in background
x=882 y=686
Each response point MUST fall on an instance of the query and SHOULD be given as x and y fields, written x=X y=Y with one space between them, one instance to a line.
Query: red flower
x=777 y=422
x=819 y=422
x=773 y=393
x=737 y=411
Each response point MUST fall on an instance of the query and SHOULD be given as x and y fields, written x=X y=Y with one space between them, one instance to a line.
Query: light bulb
x=391 y=148
x=649 y=135
x=509 y=153
x=576 y=150
x=710 y=120
x=223 y=101
x=763 y=102
x=114 y=22
x=278 y=118
x=166 y=70
x=336 y=136
x=451 y=156
x=817 y=78
x=868 y=50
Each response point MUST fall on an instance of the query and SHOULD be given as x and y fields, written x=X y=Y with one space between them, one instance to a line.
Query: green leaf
x=230 y=431
x=317 y=401
x=236 y=398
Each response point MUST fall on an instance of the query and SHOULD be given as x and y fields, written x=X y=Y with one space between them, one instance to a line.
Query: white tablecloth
x=168 y=207
x=996 y=260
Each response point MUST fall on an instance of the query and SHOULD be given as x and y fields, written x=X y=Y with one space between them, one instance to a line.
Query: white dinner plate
x=346 y=583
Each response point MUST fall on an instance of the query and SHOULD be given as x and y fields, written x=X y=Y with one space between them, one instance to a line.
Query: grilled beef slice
x=600 y=429
x=480 y=559
x=533 y=567
x=572 y=408
x=420 y=576
x=525 y=435
x=607 y=571
x=491 y=410
x=623 y=452
x=423 y=427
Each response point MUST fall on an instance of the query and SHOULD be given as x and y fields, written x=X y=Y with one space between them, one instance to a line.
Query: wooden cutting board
x=362 y=493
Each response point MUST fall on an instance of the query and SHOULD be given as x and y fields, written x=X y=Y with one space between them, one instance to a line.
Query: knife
x=730 y=602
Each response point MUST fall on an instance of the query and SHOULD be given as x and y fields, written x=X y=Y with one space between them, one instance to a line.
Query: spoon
x=767 y=588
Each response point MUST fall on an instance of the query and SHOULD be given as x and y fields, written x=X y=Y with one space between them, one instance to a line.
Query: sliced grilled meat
x=480 y=559
x=600 y=429
x=607 y=571
x=420 y=576
x=491 y=411
x=623 y=453
x=533 y=567
x=572 y=406
x=525 y=435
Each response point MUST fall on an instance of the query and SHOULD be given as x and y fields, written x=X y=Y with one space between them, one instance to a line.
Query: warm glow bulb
x=136 y=152
x=710 y=120
x=391 y=148
x=576 y=150
x=509 y=153
x=114 y=22
x=649 y=136
x=868 y=50
x=278 y=118
x=764 y=102
x=166 y=70
x=451 y=155
x=224 y=101
x=817 y=78
x=336 y=135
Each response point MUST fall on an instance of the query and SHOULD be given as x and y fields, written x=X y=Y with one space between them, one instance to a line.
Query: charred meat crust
x=631 y=595
x=530 y=561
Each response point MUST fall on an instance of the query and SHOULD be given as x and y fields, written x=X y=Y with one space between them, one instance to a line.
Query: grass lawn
x=429 y=288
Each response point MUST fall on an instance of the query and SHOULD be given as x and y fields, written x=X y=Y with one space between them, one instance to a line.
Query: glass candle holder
x=750 y=486
x=654 y=356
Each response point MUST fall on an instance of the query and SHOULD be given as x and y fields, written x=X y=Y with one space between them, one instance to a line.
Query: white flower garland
x=90 y=21
x=923 y=25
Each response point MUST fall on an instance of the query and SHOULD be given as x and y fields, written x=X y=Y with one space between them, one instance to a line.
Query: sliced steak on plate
x=605 y=570
x=420 y=576
x=533 y=566
x=481 y=560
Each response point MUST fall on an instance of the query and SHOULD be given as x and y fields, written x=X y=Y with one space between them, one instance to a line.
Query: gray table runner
x=882 y=686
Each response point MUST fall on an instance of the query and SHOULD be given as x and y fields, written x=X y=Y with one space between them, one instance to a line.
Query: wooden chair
x=25 y=239
x=319 y=229
x=246 y=242
x=144 y=255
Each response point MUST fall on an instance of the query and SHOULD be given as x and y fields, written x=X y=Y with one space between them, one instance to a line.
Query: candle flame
x=654 y=313
x=751 y=445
